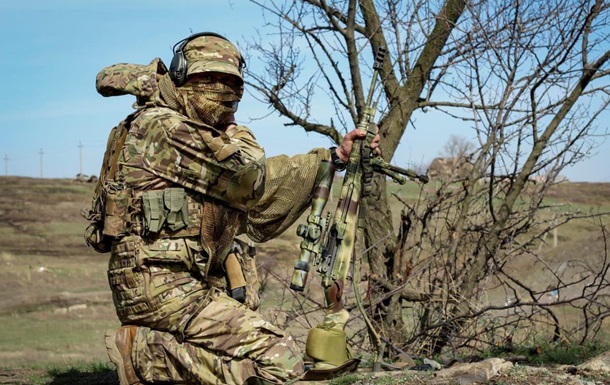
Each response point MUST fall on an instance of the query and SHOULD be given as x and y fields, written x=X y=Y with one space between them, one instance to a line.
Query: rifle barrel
x=381 y=165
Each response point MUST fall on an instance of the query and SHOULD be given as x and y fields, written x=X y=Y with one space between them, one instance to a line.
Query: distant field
x=56 y=303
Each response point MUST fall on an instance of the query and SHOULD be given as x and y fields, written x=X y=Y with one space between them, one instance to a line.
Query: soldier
x=180 y=181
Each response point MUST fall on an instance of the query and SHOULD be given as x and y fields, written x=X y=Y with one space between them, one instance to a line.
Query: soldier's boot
x=118 y=346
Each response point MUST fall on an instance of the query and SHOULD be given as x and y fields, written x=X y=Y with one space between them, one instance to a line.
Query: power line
x=5 y=164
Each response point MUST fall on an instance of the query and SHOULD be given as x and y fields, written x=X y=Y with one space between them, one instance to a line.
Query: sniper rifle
x=330 y=242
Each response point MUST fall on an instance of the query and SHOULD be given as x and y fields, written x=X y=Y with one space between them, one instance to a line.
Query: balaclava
x=206 y=99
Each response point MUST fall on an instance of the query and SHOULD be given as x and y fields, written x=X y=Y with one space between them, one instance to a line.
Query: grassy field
x=56 y=303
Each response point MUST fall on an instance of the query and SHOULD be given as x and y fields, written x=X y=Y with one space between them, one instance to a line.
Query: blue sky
x=53 y=49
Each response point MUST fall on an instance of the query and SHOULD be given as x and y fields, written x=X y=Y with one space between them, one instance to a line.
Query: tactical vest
x=117 y=210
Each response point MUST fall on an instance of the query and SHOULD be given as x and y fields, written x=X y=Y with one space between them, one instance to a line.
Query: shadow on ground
x=76 y=377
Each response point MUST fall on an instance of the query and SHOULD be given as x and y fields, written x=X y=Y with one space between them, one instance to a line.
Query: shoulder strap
x=116 y=140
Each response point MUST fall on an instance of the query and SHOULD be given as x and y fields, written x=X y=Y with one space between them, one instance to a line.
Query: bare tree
x=529 y=79
x=457 y=147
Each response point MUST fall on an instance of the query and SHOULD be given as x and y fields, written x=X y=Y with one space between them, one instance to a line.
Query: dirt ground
x=523 y=376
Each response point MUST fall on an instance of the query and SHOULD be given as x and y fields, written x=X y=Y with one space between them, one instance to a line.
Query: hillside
x=56 y=303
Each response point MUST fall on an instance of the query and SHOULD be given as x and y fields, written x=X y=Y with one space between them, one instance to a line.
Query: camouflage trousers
x=225 y=343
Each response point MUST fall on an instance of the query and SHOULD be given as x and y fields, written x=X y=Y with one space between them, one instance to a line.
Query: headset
x=179 y=65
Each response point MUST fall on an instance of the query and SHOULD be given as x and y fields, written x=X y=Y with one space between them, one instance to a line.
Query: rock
x=404 y=361
x=599 y=363
x=435 y=365
x=477 y=372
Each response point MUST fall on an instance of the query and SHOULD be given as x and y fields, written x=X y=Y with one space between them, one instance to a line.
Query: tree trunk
x=381 y=245
x=379 y=229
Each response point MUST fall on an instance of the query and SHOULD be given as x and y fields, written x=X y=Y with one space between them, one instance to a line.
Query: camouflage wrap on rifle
x=138 y=80
x=314 y=232
x=331 y=243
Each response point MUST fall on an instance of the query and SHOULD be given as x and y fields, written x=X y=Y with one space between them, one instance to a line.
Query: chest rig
x=117 y=210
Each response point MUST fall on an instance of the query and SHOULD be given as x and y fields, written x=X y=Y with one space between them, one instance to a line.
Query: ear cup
x=178 y=68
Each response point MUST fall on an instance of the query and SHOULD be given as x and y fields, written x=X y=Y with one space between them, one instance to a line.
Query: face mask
x=210 y=101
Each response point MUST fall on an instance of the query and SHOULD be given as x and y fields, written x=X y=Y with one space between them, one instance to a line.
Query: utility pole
x=80 y=157
x=5 y=164
x=41 y=153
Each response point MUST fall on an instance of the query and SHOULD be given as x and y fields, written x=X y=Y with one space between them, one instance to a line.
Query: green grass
x=571 y=354
x=549 y=354
x=346 y=380
x=400 y=379
x=74 y=374
x=57 y=333
x=53 y=339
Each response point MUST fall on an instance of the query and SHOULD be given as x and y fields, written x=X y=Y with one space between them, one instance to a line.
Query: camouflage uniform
x=188 y=190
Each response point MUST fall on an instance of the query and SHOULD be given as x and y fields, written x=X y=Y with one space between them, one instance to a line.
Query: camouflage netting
x=288 y=189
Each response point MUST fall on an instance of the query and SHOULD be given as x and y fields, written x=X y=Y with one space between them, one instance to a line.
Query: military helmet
x=205 y=52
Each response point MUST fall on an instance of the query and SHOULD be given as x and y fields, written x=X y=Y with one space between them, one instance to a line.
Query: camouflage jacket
x=242 y=191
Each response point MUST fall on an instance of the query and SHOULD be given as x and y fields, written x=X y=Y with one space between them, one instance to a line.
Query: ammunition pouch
x=170 y=212
x=154 y=211
x=105 y=217
x=118 y=211
x=167 y=208
x=110 y=216
x=117 y=218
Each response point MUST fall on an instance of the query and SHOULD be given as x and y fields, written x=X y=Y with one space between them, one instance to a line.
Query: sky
x=53 y=124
